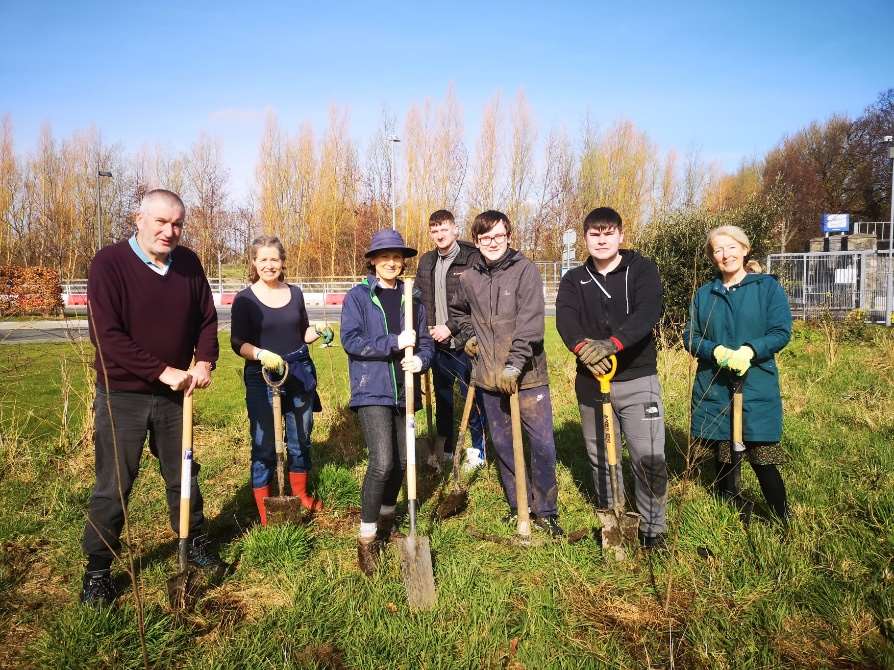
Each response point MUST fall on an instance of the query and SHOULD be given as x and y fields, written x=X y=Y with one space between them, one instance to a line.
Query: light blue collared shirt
x=148 y=261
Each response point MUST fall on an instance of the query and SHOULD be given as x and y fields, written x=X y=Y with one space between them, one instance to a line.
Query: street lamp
x=394 y=141
x=889 y=284
x=99 y=174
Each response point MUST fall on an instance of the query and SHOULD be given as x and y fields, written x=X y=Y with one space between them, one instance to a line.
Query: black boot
x=97 y=589
x=202 y=554
x=657 y=542
x=385 y=531
x=550 y=524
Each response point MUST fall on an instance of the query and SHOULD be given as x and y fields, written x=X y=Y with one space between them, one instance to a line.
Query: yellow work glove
x=740 y=360
x=271 y=362
x=722 y=355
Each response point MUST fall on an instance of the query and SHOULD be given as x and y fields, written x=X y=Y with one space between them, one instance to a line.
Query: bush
x=675 y=241
x=29 y=290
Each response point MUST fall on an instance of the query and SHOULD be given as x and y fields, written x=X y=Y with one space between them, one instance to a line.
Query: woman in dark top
x=373 y=334
x=269 y=325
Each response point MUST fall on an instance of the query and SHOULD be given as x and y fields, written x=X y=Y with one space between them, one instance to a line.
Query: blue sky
x=726 y=79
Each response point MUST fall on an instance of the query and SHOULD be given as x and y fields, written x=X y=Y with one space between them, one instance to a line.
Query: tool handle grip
x=605 y=380
x=409 y=389
x=518 y=457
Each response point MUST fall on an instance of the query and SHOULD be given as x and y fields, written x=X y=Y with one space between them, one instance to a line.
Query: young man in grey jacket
x=500 y=311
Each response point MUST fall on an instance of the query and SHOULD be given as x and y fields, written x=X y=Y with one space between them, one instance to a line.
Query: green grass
x=820 y=596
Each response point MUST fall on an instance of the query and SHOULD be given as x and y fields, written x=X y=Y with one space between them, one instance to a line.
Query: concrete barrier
x=314 y=299
x=73 y=299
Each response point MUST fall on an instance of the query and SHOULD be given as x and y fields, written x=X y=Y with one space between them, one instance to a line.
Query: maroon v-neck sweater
x=141 y=321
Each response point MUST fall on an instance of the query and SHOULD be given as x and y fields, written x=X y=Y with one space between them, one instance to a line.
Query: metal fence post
x=804 y=290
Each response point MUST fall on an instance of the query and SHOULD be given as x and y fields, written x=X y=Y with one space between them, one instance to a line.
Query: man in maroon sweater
x=151 y=313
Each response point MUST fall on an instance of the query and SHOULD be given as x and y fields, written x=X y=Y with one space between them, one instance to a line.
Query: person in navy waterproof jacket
x=374 y=335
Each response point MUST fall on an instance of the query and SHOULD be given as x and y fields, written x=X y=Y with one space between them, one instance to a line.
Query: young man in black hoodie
x=610 y=305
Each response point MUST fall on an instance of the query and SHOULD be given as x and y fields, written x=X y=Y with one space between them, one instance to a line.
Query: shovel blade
x=283 y=509
x=182 y=590
x=612 y=539
x=416 y=567
x=455 y=503
x=619 y=531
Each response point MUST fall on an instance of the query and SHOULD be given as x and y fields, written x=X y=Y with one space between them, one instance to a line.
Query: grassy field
x=819 y=596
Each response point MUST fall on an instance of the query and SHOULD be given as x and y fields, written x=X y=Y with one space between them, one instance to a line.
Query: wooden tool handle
x=426 y=386
x=608 y=432
x=463 y=427
x=518 y=456
x=467 y=412
x=185 y=467
x=737 y=416
x=408 y=396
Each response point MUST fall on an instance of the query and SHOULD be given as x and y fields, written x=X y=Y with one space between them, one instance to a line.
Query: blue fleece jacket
x=373 y=356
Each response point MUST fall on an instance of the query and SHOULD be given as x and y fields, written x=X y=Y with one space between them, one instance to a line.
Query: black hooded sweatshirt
x=624 y=305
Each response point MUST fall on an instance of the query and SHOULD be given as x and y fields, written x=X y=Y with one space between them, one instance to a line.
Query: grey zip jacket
x=503 y=306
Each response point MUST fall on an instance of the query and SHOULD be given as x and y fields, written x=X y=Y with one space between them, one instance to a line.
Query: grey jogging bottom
x=639 y=414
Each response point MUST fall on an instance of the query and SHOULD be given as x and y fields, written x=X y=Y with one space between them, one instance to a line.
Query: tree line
x=324 y=192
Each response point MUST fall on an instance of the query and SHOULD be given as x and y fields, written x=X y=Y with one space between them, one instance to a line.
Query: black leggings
x=384 y=431
x=769 y=479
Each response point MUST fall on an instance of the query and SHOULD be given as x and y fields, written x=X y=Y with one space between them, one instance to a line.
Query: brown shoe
x=385 y=532
x=368 y=555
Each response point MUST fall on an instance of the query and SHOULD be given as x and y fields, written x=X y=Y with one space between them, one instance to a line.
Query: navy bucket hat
x=386 y=240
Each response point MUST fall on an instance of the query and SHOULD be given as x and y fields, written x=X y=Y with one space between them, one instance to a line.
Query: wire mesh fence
x=836 y=282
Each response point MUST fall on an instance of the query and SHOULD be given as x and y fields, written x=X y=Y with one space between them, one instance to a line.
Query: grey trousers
x=639 y=414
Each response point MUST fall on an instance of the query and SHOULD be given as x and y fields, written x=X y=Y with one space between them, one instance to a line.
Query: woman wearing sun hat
x=374 y=335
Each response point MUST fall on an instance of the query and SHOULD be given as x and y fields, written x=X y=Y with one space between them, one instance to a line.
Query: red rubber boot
x=260 y=493
x=298 y=482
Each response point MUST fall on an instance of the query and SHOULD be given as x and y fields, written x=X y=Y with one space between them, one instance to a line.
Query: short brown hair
x=259 y=243
x=603 y=218
x=485 y=222
x=441 y=216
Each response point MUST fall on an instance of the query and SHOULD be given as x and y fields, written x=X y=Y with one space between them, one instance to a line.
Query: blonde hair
x=256 y=245
x=754 y=267
x=734 y=232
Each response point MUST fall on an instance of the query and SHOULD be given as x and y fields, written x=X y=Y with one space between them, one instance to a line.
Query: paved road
x=75 y=327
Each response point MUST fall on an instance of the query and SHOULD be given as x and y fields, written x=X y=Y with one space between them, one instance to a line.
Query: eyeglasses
x=488 y=240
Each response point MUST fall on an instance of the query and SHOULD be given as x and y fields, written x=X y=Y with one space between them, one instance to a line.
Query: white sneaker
x=473 y=460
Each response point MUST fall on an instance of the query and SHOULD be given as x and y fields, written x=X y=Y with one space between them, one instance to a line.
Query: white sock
x=367 y=530
x=386 y=510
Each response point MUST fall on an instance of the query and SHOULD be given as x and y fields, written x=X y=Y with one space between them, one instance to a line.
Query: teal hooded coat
x=754 y=312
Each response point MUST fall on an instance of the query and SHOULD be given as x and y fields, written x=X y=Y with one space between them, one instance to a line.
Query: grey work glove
x=507 y=381
x=471 y=347
x=595 y=350
x=601 y=368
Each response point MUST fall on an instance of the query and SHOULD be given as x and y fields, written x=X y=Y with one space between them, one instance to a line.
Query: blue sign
x=836 y=223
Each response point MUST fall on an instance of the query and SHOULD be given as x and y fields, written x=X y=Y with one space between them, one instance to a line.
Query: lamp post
x=394 y=141
x=99 y=175
x=889 y=284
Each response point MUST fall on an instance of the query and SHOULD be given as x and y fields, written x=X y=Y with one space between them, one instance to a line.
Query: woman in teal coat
x=737 y=323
